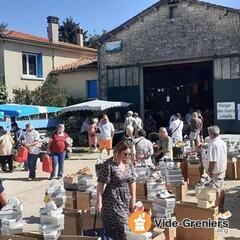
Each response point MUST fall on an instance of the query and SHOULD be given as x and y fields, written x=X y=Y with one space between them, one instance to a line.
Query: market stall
x=94 y=108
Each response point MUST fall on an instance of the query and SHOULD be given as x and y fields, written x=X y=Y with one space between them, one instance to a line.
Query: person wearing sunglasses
x=116 y=191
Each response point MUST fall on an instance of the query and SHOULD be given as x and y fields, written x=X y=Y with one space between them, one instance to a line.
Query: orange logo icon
x=139 y=222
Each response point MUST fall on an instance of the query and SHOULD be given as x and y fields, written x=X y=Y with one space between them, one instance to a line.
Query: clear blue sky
x=30 y=15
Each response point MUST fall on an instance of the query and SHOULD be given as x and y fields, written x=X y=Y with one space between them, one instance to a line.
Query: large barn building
x=175 y=55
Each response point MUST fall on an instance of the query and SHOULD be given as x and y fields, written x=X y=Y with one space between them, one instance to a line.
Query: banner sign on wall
x=226 y=111
x=113 y=47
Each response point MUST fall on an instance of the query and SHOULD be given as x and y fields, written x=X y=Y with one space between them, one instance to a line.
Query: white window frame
x=27 y=59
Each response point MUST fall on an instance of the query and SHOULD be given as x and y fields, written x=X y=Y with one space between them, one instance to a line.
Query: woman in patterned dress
x=118 y=177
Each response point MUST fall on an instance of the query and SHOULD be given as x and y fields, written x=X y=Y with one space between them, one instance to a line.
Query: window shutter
x=39 y=65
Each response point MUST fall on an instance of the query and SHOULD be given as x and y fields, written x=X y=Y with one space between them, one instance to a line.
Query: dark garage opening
x=177 y=88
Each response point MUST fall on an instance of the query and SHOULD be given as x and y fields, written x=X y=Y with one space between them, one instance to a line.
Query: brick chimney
x=80 y=39
x=53 y=29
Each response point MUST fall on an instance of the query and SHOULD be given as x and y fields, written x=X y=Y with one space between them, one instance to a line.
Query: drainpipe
x=99 y=72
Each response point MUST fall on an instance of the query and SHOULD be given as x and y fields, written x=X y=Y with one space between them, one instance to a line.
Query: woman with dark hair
x=118 y=176
x=57 y=147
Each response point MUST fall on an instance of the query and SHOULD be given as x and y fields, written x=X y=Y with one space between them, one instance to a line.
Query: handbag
x=22 y=155
x=47 y=165
x=95 y=232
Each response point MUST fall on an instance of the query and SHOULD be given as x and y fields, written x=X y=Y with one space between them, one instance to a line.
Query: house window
x=227 y=68
x=123 y=76
x=32 y=65
x=29 y=64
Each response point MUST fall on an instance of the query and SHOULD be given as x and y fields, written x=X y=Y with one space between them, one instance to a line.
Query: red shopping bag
x=47 y=165
x=22 y=154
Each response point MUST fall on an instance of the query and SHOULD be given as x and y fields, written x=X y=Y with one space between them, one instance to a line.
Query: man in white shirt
x=217 y=160
x=176 y=128
x=32 y=141
x=105 y=131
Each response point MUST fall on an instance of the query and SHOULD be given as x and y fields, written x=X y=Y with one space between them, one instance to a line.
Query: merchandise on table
x=206 y=197
x=11 y=217
x=51 y=217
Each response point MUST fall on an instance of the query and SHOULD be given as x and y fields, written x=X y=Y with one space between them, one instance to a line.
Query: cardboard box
x=73 y=222
x=83 y=200
x=193 y=181
x=71 y=203
x=141 y=189
x=184 y=169
x=30 y=236
x=71 y=194
x=232 y=170
x=191 y=211
x=238 y=169
x=180 y=191
x=88 y=221
x=146 y=203
x=170 y=233
x=194 y=170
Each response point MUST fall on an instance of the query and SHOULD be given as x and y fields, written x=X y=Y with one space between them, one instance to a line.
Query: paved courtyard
x=32 y=193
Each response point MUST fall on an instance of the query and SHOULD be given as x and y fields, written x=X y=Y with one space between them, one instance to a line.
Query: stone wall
x=197 y=31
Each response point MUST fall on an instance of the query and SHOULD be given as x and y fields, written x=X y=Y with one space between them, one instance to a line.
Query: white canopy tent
x=95 y=105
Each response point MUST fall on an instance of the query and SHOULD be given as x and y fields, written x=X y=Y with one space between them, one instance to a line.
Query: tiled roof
x=36 y=39
x=81 y=63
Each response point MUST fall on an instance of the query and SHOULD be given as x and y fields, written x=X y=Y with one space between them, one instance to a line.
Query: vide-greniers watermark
x=188 y=223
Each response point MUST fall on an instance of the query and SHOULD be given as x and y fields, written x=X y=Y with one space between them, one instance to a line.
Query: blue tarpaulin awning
x=18 y=110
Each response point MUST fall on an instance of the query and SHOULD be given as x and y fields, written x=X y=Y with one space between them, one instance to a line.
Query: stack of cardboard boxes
x=85 y=183
x=194 y=172
x=11 y=217
x=173 y=176
x=51 y=217
x=164 y=207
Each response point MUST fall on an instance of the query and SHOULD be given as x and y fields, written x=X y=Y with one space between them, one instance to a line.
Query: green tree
x=3 y=94
x=68 y=30
x=3 y=27
x=91 y=40
x=49 y=94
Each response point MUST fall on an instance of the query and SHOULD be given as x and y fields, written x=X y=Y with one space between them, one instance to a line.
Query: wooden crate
x=191 y=211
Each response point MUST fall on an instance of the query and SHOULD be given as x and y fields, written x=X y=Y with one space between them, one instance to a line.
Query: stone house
x=175 y=55
x=27 y=60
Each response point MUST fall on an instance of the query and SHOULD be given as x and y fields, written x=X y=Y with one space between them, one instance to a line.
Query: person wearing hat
x=32 y=140
x=6 y=148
